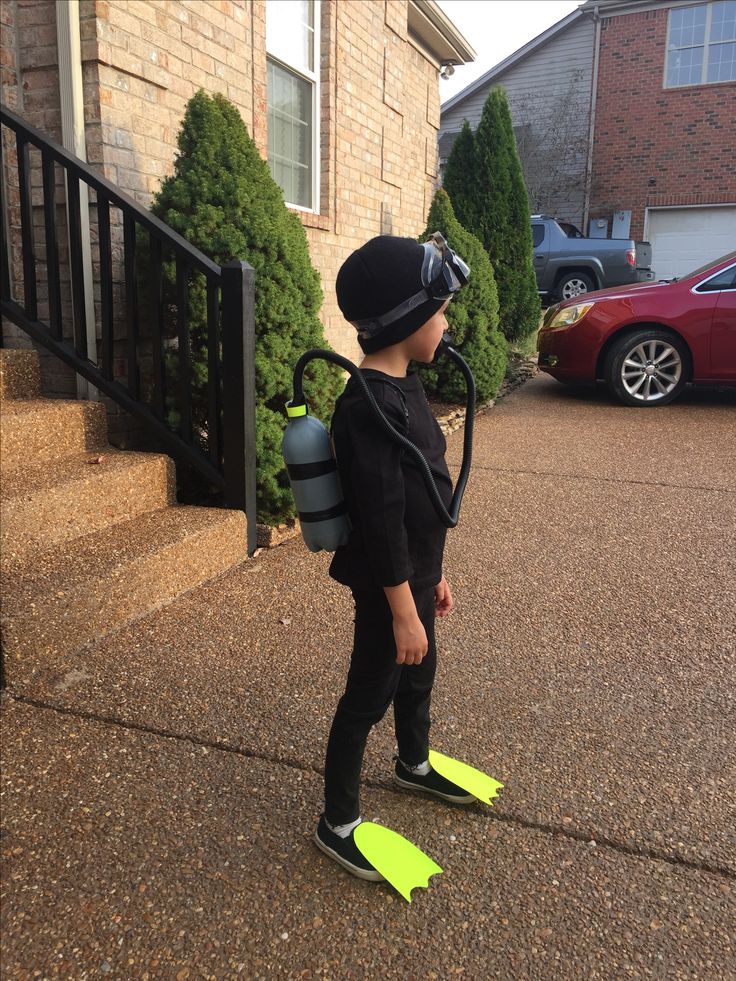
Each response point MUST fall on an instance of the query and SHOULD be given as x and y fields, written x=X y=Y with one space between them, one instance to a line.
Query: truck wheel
x=648 y=367
x=573 y=284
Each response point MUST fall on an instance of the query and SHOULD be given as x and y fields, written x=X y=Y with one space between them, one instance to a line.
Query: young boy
x=395 y=292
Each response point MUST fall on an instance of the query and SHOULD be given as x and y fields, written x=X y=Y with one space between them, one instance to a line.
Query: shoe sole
x=371 y=875
x=407 y=785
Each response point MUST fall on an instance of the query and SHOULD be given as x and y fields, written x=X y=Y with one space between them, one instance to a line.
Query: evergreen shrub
x=459 y=178
x=222 y=198
x=486 y=186
x=472 y=315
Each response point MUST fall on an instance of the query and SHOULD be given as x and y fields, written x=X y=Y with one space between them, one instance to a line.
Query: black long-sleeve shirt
x=396 y=535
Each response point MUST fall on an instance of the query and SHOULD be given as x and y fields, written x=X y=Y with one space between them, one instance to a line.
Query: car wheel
x=648 y=367
x=574 y=284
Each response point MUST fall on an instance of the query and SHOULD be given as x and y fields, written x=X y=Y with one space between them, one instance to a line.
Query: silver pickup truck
x=568 y=264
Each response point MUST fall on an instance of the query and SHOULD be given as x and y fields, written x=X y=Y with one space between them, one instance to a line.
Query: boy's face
x=422 y=344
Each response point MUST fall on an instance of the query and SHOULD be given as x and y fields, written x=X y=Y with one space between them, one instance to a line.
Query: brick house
x=341 y=97
x=659 y=123
x=665 y=127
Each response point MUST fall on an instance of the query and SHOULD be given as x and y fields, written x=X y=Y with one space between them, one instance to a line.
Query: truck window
x=537 y=235
x=570 y=230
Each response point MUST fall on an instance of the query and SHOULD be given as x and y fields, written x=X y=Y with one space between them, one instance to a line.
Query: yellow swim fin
x=399 y=861
x=472 y=781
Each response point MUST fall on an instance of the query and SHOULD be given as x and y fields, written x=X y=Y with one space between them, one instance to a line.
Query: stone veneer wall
x=143 y=59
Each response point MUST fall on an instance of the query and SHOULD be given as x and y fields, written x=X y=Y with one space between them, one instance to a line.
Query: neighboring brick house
x=342 y=97
x=660 y=121
x=665 y=127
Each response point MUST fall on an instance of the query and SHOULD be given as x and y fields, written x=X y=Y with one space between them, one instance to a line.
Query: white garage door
x=684 y=238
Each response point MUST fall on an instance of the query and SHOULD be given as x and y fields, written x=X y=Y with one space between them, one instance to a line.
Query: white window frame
x=706 y=47
x=313 y=78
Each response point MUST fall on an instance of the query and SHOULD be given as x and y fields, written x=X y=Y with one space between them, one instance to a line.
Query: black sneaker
x=432 y=783
x=345 y=851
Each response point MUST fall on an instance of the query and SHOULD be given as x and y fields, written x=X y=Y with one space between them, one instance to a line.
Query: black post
x=239 y=391
x=26 y=223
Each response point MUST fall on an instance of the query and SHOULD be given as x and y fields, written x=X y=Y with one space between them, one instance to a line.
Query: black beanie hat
x=378 y=277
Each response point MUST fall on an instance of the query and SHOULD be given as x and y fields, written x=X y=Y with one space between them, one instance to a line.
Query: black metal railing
x=226 y=457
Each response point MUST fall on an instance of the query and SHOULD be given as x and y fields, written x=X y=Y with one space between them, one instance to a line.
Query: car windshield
x=709 y=265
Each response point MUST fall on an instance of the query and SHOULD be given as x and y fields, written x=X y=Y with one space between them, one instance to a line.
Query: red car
x=649 y=340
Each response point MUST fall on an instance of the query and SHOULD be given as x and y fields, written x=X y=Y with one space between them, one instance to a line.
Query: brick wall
x=382 y=116
x=656 y=146
x=143 y=60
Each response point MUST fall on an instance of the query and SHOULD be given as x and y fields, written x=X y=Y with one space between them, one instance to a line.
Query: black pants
x=374 y=681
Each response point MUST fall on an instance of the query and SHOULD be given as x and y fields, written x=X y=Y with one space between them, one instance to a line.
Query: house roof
x=431 y=26
x=614 y=8
x=517 y=56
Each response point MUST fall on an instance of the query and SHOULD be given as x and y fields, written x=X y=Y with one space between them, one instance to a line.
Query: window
x=537 y=235
x=701 y=44
x=292 y=45
x=724 y=280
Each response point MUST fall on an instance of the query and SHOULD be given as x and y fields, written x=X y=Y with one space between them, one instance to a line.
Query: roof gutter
x=434 y=30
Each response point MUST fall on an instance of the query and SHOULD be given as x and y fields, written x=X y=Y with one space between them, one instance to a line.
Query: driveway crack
x=632 y=851
x=606 y=480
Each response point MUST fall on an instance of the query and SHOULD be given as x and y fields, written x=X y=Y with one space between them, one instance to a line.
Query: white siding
x=549 y=94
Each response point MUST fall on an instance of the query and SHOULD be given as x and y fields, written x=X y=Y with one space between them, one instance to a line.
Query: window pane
x=723 y=24
x=290 y=32
x=687 y=26
x=722 y=63
x=290 y=134
x=685 y=67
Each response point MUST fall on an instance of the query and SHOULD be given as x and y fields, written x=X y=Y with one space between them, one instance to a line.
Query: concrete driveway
x=161 y=788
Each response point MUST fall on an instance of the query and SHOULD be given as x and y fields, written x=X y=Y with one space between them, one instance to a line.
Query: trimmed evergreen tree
x=459 y=177
x=489 y=197
x=526 y=303
x=222 y=198
x=472 y=315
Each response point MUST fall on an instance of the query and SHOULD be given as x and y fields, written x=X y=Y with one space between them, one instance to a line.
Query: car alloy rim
x=651 y=370
x=574 y=287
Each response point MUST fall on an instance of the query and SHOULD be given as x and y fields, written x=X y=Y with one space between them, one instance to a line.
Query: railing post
x=239 y=391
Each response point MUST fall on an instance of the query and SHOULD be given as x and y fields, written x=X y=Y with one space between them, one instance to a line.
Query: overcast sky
x=495 y=29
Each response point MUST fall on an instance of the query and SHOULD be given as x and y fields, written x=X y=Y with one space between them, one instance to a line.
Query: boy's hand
x=411 y=640
x=443 y=601
x=409 y=633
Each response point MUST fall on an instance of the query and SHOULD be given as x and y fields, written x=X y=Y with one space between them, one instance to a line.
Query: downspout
x=591 y=128
x=73 y=139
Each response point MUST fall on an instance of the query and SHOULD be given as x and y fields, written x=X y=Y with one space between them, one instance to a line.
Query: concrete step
x=82 y=590
x=33 y=431
x=62 y=500
x=20 y=374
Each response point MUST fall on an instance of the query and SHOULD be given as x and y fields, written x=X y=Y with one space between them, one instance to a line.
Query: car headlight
x=569 y=316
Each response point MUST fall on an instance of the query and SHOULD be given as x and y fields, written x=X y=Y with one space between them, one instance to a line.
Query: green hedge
x=222 y=198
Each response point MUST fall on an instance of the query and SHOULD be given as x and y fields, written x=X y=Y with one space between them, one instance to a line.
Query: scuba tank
x=312 y=469
x=315 y=482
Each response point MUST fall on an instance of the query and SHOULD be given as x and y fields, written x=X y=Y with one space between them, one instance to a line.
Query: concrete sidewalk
x=161 y=788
